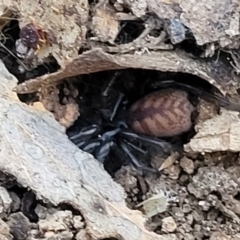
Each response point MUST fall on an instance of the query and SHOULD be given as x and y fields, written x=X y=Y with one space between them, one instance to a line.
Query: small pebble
x=187 y=165
x=168 y=225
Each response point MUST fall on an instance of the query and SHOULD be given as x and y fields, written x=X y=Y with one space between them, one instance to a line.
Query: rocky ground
x=57 y=69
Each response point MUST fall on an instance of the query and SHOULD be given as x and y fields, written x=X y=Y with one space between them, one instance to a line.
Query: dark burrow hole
x=134 y=84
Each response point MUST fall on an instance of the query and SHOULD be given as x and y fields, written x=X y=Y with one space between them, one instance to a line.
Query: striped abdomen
x=163 y=113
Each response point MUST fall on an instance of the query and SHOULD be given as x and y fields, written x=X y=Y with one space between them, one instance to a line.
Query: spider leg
x=134 y=161
x=110 y=134
x=113 y=79
x=102 y=151
x=92 y=145
x=122 y=124
x=116 y=107
x=223 y=101
x=84 y=135
x=105 y=111
x=135 y=147
x=170 y=83
x=161 y=143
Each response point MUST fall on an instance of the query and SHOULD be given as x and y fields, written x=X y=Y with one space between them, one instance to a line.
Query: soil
x=191 y=195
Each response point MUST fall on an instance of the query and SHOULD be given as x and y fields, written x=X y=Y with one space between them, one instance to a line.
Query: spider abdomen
x=163 y=113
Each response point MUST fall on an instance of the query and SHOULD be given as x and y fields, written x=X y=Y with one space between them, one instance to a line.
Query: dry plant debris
x=154 y=205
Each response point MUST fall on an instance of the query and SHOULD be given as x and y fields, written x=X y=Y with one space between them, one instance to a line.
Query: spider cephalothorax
x=133 y=130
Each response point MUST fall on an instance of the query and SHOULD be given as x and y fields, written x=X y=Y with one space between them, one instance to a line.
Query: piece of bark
x=36 y=151
x=97 y=60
